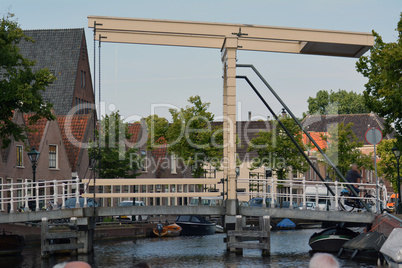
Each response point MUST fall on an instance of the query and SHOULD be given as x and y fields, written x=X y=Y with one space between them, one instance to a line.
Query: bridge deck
x=188 y=210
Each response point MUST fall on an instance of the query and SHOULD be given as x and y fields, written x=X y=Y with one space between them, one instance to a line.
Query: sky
x=139 y=80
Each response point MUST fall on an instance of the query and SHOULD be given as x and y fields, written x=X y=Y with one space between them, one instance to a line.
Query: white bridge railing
x=23 y=196
x=314 y=191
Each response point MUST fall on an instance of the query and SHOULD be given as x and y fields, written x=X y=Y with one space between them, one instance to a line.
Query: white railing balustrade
x=314 y=191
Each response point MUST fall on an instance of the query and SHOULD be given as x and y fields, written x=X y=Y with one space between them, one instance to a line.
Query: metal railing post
x=264 y=203
x=336 y=196
x=304 y=194
x=273 y=194
x=77 y=192
x=63 y=196
x=37 y=196
x=316 y=197
x=11 y=198
x=291 y=195
x=26 y=195
x=55 y=195
x=85 y=198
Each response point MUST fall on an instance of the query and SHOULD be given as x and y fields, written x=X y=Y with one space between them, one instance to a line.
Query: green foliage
x=337 y=102
x=383 y=68
x=277 y=151
x=343 y=149
x=157 y=128
x=191 y=136
x=20 y=86
x=387 y=163
x=117 y=161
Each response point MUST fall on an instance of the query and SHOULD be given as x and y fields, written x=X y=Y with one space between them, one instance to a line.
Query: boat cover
x=393 y=246
x=366 y=241
x=286 y=223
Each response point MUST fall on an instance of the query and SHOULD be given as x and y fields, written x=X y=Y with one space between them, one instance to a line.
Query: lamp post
x=33 y=156
x=397 y=155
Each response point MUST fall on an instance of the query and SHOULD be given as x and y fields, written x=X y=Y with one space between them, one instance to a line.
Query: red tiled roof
x=317 y=137
x=73 y=130
x=35 y=136
x=160 y=151
x=134 y=130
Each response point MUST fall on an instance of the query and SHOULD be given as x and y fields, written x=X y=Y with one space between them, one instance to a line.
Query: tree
x=337 y=102
x=383 y=68
x=20 y=86
x=117 y=161
x=192 y=138
x=157 y=129
x=343 y=149
x=387 y=163
x=277 y=151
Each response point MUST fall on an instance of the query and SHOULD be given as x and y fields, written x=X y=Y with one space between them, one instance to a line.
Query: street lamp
x=397 y=155
x=33 y=156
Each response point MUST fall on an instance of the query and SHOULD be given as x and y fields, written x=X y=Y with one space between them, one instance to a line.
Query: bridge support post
x=228 y=53
x=265 y=226
x=86 y=229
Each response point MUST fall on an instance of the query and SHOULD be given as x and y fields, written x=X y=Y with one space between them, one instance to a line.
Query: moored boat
x=331 y=239
x=392 y=248
x=170 y=230
x=195 y=225
x=11 y=244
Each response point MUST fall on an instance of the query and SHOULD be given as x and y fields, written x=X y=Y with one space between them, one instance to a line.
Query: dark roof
x=361 y=123
x=59 y=51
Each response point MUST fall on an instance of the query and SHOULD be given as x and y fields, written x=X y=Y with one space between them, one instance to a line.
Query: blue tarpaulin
x=286 y=223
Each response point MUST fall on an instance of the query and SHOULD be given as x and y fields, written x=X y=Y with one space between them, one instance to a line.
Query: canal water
x=288 y=249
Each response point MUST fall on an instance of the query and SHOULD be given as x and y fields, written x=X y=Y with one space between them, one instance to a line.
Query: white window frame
x=17 y=151
x=173 y=164
x=57 y=156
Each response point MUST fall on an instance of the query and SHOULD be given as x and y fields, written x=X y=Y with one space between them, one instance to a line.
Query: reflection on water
x=288 y=249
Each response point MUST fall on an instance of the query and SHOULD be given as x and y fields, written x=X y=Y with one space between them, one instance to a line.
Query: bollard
x=77 y=193
x=37 y=197
x=26 y=195
x=63 y=197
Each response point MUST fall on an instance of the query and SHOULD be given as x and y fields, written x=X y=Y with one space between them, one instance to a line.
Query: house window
x=82 y=79
x=84 y=83
x=20 y=161
x=52 y=156
x=144 y=161
x=173 y=164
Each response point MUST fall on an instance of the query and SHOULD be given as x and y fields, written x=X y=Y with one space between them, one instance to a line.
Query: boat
x=11 y=244
x=170 y=230
x=219 y=229
x=331 y=239
x=195 y=225
x=365 y=247
x=392 y=248
x=286 y=224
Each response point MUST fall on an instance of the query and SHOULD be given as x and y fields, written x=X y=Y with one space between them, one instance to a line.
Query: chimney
x=249 y=115
x=283 y=112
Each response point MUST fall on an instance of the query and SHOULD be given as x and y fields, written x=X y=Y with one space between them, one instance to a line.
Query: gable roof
x=35 y=136
x=361 y=123
x=73 y=129
x=59 y=51
x=317 y=137
x=134 y=130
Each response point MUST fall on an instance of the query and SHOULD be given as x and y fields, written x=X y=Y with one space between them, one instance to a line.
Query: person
x=323 y=260
x=73 y=264
x=352 y=176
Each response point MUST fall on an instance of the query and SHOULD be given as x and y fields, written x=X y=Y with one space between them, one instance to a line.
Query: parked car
x=70 y=203
x=257 y=202
x=128 y=203
x=207 y=201
x=309 y=205
x=286 y=204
